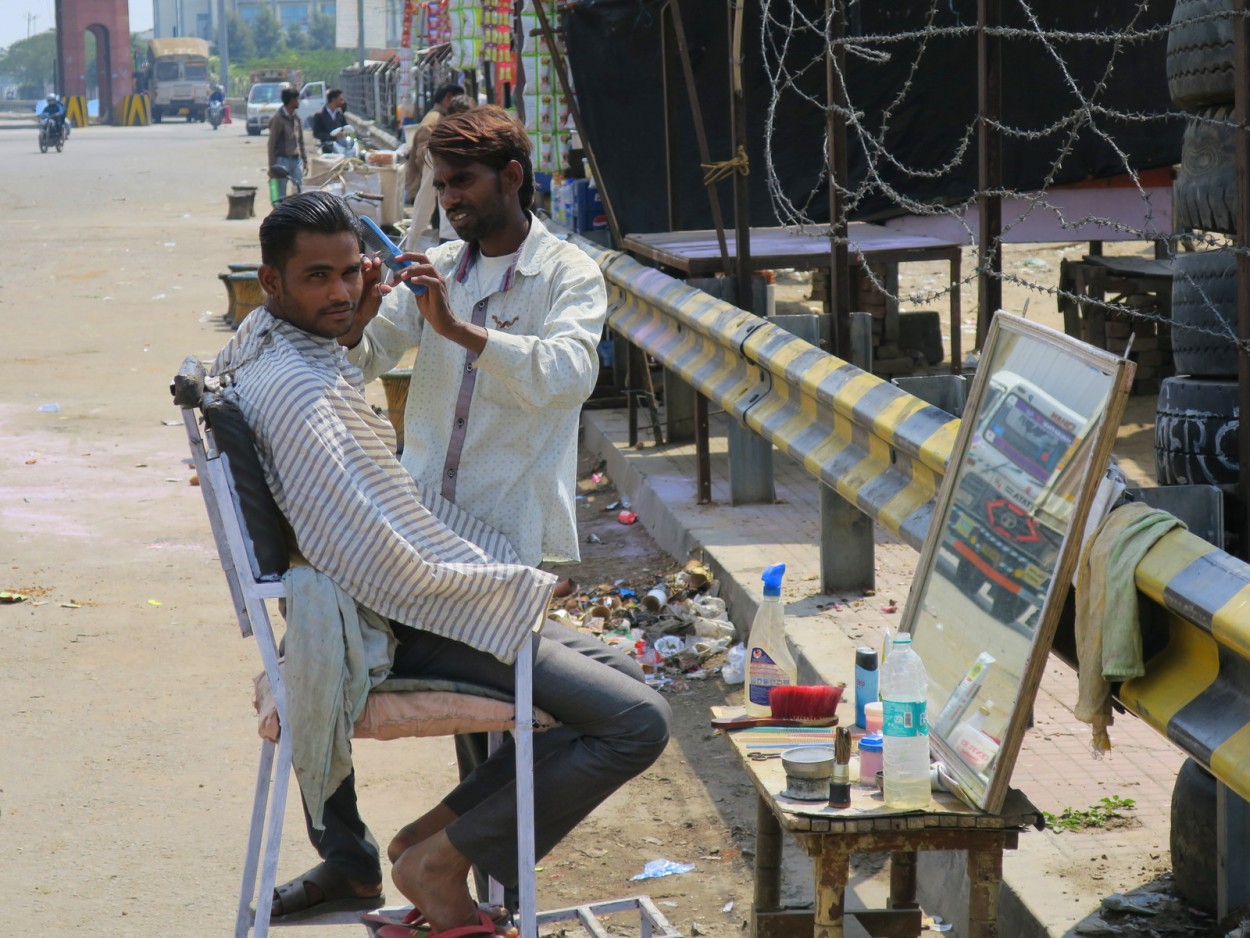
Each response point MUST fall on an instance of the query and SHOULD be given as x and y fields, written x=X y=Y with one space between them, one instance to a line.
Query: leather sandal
x=292 y=903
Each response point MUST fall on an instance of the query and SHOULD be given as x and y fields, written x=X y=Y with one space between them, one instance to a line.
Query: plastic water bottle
x=904 y=693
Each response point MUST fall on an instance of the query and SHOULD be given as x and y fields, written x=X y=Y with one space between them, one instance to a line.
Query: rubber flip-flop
x=336 y=896
x=485 y=926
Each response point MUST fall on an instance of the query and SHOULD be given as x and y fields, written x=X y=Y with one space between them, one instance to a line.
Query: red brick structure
x=109 y=22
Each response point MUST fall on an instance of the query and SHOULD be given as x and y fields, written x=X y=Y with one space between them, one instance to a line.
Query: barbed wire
x=786 y=26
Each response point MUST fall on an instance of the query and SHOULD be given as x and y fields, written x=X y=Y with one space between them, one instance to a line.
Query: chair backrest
x=261 y=523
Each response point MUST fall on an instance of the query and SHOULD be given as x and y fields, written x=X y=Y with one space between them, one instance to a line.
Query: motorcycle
x=51 y=134
x=216 y=110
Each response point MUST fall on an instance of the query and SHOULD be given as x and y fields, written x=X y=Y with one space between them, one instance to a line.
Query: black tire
x=43 y=144
x=1194 y=857
x=967 y=577
x=1006 y=606
x=1204 y=314
x=1196 y=428
x=1206 y=186
x=253 y=132
x=60 y=145
x=1200 y=54
x=157 y=114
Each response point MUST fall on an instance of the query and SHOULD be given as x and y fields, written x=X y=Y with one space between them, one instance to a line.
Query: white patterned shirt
x=358 y=516
x=498 y=434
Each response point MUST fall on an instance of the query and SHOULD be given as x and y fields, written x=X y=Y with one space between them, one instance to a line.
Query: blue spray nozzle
x=772 y=579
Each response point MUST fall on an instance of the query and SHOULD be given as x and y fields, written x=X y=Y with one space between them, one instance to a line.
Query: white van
x=265 y=97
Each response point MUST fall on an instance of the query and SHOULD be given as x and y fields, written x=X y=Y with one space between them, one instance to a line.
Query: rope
x=715 y=172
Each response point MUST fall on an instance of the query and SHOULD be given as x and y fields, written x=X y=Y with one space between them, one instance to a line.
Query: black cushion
x=264 y=528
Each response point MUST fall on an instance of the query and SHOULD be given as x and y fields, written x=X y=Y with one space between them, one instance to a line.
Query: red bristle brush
x=794 y=705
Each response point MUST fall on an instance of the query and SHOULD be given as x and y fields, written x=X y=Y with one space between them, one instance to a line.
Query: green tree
x=321 y=31
x=296 y=38
x=240 y=36
x=268 y=33
x=31 y=62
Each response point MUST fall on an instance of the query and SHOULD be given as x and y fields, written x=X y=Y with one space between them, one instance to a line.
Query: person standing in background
x=286 y=143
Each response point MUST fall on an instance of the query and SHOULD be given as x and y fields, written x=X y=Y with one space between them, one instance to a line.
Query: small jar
x=870 y=749
x=874 y=717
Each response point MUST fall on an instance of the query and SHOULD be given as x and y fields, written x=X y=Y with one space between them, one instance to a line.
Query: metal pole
x=360 y=35
x=557 y=62
x=700 y=132
x=835 y=144
x=223 y=46
x=668 y=51
x=989 y=166
x=1241 y=112
x=738 y=121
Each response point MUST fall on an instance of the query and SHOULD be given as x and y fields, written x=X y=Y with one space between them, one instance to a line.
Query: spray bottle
x=769 y=663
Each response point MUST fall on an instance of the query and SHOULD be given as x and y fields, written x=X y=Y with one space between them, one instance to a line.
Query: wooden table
x=1097 y=275
x=697 y=254
x=830 y=836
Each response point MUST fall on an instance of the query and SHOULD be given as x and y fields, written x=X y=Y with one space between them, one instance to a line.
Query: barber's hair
x=488 y=135
x=332 y=94
x=317 y=212
x=289 y=95
x=445 y=90
x=459 y=104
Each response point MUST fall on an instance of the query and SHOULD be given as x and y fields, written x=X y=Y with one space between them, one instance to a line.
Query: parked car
x=264 y=98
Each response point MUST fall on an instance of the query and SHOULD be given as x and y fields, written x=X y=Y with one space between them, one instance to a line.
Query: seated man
x=327 y=122
x=450 y=586
x=54 y=110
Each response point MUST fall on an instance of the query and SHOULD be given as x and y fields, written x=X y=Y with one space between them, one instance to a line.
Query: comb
x=375 y=239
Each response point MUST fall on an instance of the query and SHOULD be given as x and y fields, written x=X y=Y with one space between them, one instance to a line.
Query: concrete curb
x=1044 y=894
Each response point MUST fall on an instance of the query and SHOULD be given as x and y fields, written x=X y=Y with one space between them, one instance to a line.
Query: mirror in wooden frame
x=1034 y=442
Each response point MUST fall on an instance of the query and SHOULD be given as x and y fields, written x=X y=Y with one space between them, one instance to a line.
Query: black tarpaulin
x=923 y=89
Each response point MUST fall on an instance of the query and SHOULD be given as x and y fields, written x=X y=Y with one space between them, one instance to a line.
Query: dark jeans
x=613 y=728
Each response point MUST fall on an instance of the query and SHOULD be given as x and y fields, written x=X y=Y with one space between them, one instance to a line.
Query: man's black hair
x=332 y=94
x=317 y=212
x=289 y=95
x=446 y=90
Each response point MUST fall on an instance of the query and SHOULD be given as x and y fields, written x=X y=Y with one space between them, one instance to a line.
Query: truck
x=176 y=78
x=1014 y=496
x=264 y=96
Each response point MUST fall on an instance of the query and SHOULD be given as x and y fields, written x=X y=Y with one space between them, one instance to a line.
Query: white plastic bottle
x=904 y=692
x=769 y=662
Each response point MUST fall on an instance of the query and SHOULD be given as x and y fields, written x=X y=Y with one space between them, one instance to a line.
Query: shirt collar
x=527 y=261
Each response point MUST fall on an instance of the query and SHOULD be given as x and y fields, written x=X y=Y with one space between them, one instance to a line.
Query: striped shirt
x=497 y=432
x=358 y=516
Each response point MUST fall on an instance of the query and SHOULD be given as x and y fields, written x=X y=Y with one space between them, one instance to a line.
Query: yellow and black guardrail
x=885 y=451
x=135 y=111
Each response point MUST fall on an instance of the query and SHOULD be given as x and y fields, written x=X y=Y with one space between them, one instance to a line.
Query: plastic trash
x=657 y=868
x=669 y=645
x=627 y=517
x=735 y=669
x=49 y=408
x=1147 y=904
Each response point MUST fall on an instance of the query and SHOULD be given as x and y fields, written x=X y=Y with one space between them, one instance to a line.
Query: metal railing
x=885 y=451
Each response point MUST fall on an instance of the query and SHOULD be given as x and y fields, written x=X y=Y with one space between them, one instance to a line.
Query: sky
x=14 y=23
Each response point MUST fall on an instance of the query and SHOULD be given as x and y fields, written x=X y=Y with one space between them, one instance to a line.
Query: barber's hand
x=372 y=288
x=436 y=307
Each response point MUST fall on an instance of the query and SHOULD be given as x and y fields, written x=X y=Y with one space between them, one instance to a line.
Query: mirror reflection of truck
x=1011 y=509
x=176 y=78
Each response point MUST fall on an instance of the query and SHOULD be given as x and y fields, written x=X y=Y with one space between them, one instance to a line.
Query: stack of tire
x=1197 y=421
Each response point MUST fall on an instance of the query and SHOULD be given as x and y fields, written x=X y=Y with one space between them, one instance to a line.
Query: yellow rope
x=715 y=172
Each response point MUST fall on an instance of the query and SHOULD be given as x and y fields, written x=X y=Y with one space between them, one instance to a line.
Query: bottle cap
x=772 y=579
x=866 y=658
x=902 y=638
x=871 y=743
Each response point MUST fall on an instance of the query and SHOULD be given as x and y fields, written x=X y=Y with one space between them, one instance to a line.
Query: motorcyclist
x=54 y=110
x=218 y=96
x=327 y=123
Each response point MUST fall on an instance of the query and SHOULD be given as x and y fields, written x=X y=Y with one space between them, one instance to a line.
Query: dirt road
x=129 y=743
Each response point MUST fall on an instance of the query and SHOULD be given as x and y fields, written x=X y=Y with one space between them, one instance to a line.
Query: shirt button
x=451 y=473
